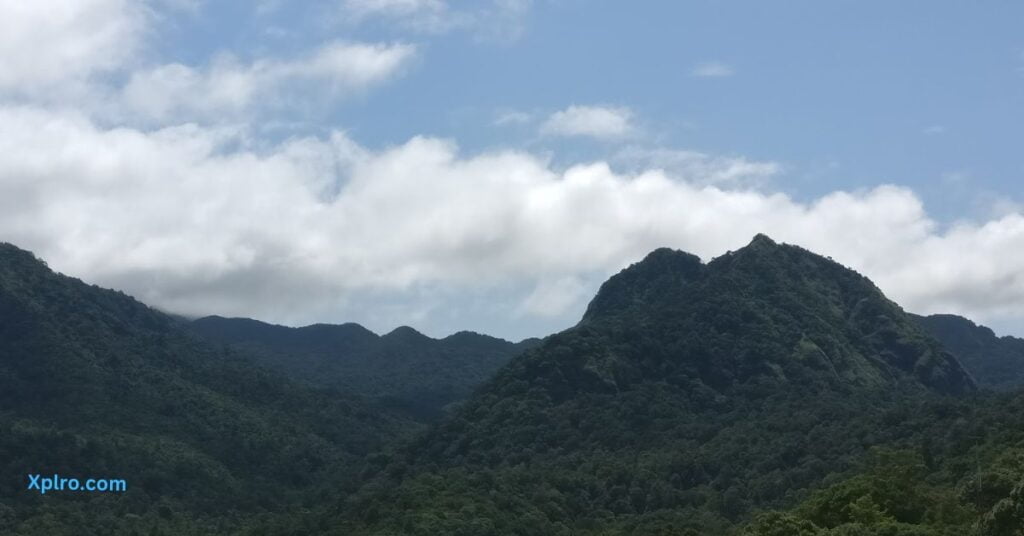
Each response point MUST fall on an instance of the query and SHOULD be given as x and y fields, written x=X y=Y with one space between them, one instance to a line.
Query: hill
x=96 y=384
x=767 y=392
x=403 y=369
x=995 y=362
x=688 y=396
x=958 y=470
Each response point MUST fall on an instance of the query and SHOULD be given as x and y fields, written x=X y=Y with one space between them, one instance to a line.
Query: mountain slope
x=96 y=384
x=688 y=395
x=403 y=369
x=995 y=362
x=958 y=471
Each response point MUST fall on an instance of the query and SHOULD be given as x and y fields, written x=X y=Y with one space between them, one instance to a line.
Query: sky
x=485 y=165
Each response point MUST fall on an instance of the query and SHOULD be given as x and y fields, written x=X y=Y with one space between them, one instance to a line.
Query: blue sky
x=485 y=165
x=844 y=94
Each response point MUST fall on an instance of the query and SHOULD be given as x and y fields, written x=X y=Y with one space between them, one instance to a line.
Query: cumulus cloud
x=195 y=220
x=713 y=69
x=92 y=56
x=603 y=122
x=204 y=218
x=47 y=43
x=228 y=87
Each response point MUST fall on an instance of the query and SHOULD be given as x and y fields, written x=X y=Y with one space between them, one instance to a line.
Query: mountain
x=767 y=392
x=403 y=369
x=95 y=384
x=689 y=395
x=995 y=362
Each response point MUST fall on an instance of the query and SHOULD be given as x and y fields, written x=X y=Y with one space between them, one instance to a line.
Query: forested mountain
x=689 y=396
x=95 y=384
x=995 y=362
x=768 y=392
x=956 y=470
x=403 y=369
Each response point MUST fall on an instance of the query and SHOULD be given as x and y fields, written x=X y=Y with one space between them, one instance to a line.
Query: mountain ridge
x=403 y=369
x=95 y=383
x=997 y=362
x=688 y=396
x=682 y=399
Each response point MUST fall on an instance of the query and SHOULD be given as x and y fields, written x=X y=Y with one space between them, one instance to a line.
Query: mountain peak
x=761 y=240
x=13 y=258
x=774 y=311
x=660 y=274
x=407 y=334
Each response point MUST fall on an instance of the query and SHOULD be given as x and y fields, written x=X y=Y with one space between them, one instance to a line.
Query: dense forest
x=994 y=361
x=94 y=383
x=403 y=369
x=768 y=392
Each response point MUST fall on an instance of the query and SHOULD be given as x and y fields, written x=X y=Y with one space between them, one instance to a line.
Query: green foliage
x=1006 y=518
x=769 y=392
x=781 y=524
x=892 y=490
x=688 y=392
x=996 y=362
x=95 y=384
x=404 y=369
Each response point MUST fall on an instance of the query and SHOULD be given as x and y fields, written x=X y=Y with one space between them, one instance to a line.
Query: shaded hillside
x=958 y=471
x=96 y=384
x=403 y=369
x=995 y=362
x=689 y=395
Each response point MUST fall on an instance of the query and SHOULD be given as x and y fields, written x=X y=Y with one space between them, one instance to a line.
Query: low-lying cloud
x=198 y=221
x=152 y=176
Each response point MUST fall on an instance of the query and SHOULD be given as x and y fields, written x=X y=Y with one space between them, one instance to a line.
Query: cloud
x=1002 y=207
x=553 y=297
x=496 y=20
x=394 y=8
x=512 y=117
x=228 y=87
x=934 y=130
x=47 y=43
x=430 y=16
x=713 y=69
x=198 y=220
x=699 y=168
x=601 y=122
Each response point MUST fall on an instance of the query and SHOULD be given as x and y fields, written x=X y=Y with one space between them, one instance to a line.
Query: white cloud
x=700 y=168
x=47 y=43
x=424 y=15
x=1006 y=207
x=364 y=8
x=713 y=69
x=553 y=297
x=196 y=220
x=602 y=122
x=934 y=130
x=513 y=117
x=500 y=20
x=228 y=87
